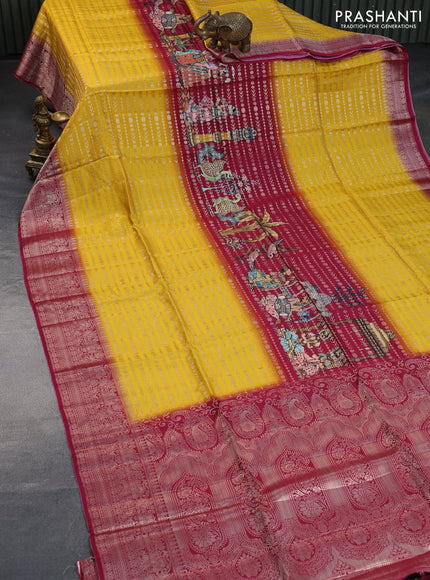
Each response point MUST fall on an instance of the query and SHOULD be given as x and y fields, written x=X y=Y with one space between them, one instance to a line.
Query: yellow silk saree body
x=227 y=256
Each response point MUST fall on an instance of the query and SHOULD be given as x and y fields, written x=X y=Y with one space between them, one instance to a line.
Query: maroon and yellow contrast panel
x=227 y=257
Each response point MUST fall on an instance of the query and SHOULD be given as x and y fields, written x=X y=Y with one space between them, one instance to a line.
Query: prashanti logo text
x=378 y=18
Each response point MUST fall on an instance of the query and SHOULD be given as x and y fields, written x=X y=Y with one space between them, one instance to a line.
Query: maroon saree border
x=299 y=48
x=38 y=67
x=404 y=126
x=49 y=201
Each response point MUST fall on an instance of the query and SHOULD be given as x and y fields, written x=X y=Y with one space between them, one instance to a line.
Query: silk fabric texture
x=227 y=257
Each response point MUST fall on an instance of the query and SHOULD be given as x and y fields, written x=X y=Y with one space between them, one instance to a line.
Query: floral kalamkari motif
x=297 y=310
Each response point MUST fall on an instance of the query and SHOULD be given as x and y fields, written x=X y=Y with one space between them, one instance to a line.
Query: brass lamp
x=45 y=141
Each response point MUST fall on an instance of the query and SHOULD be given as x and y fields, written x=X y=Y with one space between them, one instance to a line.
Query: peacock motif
x=213 y=169
x=226 y=205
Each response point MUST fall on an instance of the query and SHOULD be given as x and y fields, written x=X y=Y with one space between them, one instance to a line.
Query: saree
x=227 y=257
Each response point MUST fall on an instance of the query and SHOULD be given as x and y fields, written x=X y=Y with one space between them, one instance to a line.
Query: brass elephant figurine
x=224 y=30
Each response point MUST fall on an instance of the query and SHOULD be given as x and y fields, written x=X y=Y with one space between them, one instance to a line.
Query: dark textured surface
x=43 y=529
x=419 y=79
